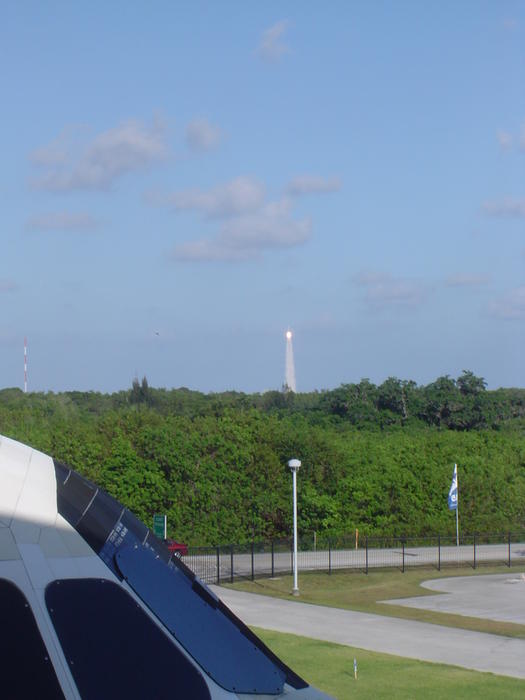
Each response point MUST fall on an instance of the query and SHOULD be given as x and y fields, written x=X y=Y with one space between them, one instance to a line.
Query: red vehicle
x=178 y=549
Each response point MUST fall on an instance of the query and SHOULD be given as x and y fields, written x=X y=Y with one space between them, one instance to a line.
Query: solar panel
x=194 y=616
x=114 y=649
x=27 y=671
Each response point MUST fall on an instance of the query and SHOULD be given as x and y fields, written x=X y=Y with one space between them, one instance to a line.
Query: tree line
x=458 y=404
x=375 y=457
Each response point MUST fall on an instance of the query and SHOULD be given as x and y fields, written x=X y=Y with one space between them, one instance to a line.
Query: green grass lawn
x=330 y=667
x=357 y=591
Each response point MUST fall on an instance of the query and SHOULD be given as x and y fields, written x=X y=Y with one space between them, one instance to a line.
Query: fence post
x=210 y=576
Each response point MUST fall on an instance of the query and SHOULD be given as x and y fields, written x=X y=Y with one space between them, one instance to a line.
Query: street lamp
x=294 y=465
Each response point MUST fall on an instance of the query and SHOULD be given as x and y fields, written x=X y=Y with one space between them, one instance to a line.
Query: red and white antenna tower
x=25 y=365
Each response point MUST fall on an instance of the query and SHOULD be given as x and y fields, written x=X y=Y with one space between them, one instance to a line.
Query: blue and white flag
x=453 y=493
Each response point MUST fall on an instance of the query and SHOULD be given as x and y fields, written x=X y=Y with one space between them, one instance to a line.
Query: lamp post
x=294 y=465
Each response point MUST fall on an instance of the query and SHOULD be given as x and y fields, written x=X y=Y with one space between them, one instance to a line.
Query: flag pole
x=457 y=506
x=453 y=500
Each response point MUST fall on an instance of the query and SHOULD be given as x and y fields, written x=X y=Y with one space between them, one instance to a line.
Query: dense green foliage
x=378 y=458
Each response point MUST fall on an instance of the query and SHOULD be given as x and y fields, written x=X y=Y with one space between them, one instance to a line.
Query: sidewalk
x=418 y=640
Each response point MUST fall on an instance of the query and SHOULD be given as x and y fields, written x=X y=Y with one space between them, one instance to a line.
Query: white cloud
x=131 y=146
x=272 y=46
x=61 y=221
x=239 y=196
x=312 y=184
x=508 y=207
x=505 y=139
x=465 y=279
x=508 y=140
x=247 y=237
x=7 y=286
x=511 y=306
x=249 y=226
x=383 y=290
x=272 y=227
x=202 y=136
x=54 y=153
x=209 y=250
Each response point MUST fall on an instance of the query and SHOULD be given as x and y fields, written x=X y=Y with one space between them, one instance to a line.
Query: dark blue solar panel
x=26 y=669
x=73 y=496
x=109 y=527
x=118 y=537
x=99 y=518
x=194 y=616
x=113 y=647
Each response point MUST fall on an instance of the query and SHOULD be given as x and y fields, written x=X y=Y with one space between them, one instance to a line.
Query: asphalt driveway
x=495 y=597
x=418 y=640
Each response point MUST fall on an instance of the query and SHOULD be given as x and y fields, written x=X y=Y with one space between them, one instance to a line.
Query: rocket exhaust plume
x=289 y=378
x=25 y=365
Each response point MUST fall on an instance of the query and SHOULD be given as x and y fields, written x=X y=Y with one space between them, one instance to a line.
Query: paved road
x=418 y=640
x=499 y=597
x=205 y=565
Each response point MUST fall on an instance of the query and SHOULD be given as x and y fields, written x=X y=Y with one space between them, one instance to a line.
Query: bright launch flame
x=289 y=335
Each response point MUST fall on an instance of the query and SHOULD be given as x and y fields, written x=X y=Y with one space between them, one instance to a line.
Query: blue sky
x=182 y=182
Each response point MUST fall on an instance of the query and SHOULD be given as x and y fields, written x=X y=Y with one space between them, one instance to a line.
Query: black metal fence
x=226 y=563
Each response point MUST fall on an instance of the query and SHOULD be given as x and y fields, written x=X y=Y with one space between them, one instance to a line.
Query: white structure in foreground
x=93 y=607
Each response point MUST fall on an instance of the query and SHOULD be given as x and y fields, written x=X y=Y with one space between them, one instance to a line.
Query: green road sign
x=159 y=526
